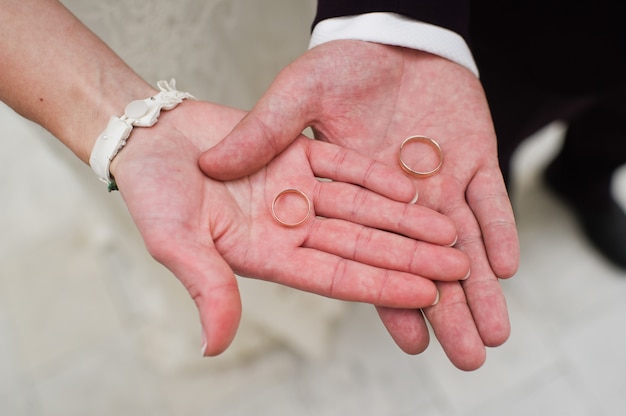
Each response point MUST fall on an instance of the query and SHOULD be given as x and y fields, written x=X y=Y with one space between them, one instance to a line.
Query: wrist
x=137 y=113
x=83 y=134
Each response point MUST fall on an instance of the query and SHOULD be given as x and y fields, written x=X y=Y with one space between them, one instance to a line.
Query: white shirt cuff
x=397 y=30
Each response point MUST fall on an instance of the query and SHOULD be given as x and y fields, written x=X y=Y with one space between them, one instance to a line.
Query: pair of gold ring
x=405 y=166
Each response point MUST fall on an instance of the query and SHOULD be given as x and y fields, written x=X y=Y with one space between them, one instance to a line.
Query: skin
x=205 y=230
x=369 y=97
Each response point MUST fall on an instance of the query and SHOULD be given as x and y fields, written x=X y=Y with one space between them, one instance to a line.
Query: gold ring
x=433 y=144
x=291 y=191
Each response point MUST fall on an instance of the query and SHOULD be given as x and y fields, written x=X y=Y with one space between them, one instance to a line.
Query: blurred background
x=91 y=325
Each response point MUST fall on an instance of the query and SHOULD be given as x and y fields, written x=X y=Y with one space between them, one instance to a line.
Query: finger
x=272 y=124
x=482 y=291
x=343 y=165
x=491 y=205
x=387 y=250
x=466 y=319
x=488 y=305
x=454 y=327
x=407 y=328
x=485 y=297
x=209 y=281
x=335 y=277
x=358 y=205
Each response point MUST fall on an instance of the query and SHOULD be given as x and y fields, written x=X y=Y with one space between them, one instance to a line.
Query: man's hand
x=370 y=97
x=205 y=230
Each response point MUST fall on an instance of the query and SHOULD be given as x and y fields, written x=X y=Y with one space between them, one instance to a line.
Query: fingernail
x=456 y=238
x=436 y=299
x=414 y=200
x=205 y=344
x=469 y=272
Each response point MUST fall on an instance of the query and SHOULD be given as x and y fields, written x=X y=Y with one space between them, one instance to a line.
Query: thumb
x=274 y=122
x=213 y=286
x=219 y=306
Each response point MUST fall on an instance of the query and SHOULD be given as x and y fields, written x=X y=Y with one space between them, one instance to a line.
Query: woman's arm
x=57 y=73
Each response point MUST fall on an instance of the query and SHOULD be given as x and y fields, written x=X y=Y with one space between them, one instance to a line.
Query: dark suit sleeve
x=450 y=14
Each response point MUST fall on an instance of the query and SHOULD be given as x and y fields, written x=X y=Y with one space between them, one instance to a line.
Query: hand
x=203 y=230
x=369 y=97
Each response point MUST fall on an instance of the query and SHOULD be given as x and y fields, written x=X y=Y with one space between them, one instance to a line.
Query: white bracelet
x=139 y=113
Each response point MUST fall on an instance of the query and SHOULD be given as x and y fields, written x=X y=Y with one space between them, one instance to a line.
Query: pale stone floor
x=70 y=346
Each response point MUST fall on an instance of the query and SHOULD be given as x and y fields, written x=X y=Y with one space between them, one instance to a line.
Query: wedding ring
x=430 y=142
x=280 y=195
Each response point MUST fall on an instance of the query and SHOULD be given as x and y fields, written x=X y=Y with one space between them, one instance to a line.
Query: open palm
x=205 y=230
x=370 y=97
